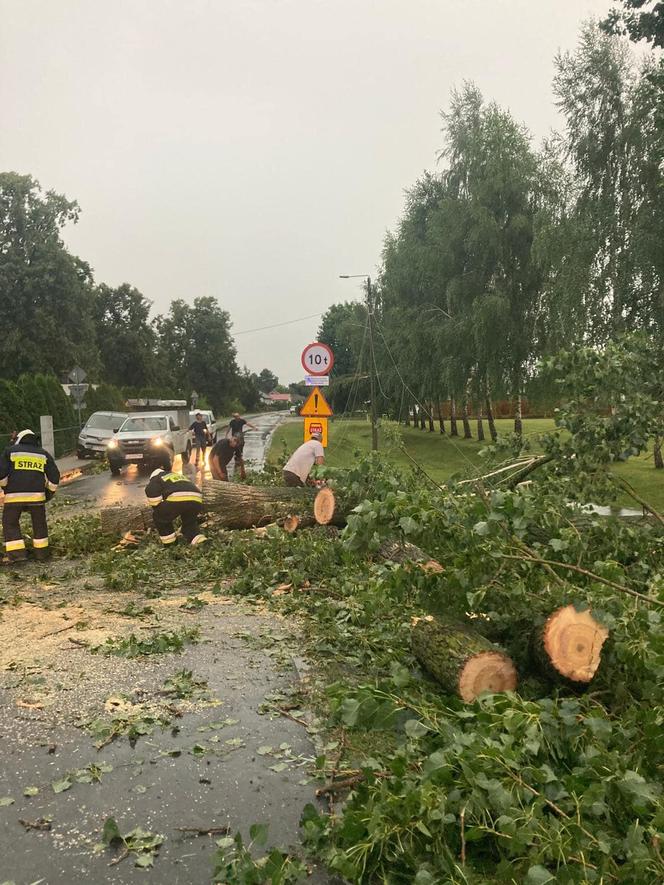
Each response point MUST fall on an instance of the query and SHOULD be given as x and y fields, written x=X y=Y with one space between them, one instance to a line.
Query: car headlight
x=157 y=441
x=113 y=444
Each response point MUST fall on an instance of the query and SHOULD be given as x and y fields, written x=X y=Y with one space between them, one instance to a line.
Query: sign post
x=317 y=361
x=77 y=390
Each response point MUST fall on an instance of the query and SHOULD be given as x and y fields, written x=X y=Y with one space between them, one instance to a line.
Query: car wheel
x=115 y=469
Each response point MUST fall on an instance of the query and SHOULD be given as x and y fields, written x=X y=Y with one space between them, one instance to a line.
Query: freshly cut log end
x=325 y=506
x=291 y=524
x=461 y=660
x=572 y=643
x=488 y=671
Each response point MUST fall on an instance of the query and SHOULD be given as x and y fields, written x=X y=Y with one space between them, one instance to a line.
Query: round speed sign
x=317 y=359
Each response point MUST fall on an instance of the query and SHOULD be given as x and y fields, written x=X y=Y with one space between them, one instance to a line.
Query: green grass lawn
x=444 y=456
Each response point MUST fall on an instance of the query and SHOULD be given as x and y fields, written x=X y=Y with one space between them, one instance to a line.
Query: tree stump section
x=329 y=508
x=570 y=644
x=462 y=661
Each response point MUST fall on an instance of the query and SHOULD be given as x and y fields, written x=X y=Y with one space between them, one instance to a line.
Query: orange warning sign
x=315 y=425
x=316 y=406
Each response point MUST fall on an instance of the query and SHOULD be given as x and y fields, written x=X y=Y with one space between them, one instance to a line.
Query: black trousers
x=11 y=529
x=292 y=479
x=166 y=513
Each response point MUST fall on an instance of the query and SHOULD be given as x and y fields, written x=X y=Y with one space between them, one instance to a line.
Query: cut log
x=405 y=553
x=116 y=521
x=570 y=644
x=461 y=660
x=239 y=506
x=233 y=506
x=329 y=507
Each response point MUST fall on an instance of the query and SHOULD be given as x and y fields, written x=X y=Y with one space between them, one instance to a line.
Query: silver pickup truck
x=150 y=441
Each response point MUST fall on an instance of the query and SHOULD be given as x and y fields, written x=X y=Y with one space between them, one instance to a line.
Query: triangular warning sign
x=316 y=406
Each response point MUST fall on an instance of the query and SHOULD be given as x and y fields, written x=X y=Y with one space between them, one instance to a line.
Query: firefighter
x=29 y=478
x=172 y=495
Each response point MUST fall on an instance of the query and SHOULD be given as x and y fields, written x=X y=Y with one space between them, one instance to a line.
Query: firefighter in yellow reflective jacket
x=172 y=495
x=29 y=477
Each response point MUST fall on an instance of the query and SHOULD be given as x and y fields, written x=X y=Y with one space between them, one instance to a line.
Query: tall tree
x=640 y=19
x=126 y=338
x=266 y=381
x=197 y=351
x=45 y=293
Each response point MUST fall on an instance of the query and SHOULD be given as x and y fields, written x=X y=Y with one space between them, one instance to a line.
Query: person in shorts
x=236 y=431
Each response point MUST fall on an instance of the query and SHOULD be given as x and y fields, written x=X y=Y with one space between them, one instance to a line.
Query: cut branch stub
x=571 y=643
x=461 y=660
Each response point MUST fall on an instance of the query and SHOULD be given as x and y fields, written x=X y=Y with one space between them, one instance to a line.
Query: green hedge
x=24 y=401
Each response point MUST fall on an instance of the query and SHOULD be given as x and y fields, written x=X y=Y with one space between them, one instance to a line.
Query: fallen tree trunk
x=239 y=506
x=570 y=644
x=461 y=660
x=118 y=520
x=405 y=553
x=233 y=505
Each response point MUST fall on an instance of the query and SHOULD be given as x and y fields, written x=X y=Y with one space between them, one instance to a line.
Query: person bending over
x=173 y=496
x=298 y=467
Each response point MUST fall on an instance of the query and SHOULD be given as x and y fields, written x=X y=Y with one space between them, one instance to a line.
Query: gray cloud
x=253 y=150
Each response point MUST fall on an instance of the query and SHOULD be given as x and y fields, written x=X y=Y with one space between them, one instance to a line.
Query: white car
x=97 y=431
x=150 y=441
x=210 y=420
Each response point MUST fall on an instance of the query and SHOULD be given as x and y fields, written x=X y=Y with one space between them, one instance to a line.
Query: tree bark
x=441 y=420
x=453 y=418
x=407 y=420
x=234 y=505
x=480 y=423
x=405 y=553
x=570 y=644
x=467 y=433
x=461 y=660
x=115 y=521
x=489 y=415
x=518 y=414
x=423 y=418
x=239 y=506
x=432 y=426
x=657 y=453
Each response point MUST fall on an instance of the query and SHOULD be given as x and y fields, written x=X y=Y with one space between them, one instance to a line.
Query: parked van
x=96 y=433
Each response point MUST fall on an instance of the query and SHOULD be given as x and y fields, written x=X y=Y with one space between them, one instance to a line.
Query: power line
x=276 y=325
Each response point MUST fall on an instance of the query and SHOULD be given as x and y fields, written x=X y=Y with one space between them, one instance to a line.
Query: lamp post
x=372 y=358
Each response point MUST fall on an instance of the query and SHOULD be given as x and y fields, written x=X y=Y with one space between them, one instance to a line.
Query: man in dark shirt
x=221 y=455
x=236 y=430
x=201 y=436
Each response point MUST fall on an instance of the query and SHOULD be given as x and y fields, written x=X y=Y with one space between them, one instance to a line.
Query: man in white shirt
x=298 y=466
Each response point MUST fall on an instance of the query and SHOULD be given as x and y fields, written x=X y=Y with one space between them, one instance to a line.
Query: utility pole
x=372 y=369
x=372 y=357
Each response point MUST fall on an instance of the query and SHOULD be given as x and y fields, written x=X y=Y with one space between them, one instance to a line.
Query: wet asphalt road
x=105 y=490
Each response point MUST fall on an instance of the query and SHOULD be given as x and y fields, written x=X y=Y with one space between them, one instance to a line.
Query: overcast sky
x=255 y=149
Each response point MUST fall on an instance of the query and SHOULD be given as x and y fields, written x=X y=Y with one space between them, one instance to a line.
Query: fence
x=59 y=441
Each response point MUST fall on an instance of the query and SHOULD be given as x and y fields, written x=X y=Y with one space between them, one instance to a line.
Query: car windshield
x=143 y=423
x=103 y=422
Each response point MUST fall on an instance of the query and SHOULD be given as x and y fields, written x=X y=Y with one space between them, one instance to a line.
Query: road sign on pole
x=315 y=425
x=317 y=359
x=316 y=406
x=77 y=375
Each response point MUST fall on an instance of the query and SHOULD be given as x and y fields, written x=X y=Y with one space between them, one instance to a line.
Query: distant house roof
x=280 y=397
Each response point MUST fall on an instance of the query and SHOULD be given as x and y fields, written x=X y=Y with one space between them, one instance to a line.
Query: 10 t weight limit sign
x=317 y=359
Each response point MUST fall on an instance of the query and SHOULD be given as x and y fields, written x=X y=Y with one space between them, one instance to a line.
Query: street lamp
x=372 y=366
